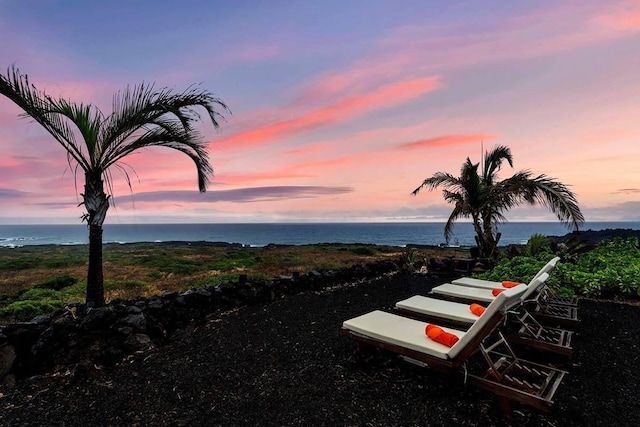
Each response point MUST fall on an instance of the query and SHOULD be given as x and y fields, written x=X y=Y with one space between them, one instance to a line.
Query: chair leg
x=505 y=407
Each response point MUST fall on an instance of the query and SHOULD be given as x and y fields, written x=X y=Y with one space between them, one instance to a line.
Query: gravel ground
x=286 y=364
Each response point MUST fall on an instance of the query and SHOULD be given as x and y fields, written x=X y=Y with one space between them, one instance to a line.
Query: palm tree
x=485 y=199
x=142 y=117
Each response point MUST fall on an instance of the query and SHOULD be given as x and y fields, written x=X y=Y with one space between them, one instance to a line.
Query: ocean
x=393 y=234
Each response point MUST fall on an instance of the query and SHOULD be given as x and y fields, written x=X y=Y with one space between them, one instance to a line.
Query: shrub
x=612 y=269
x=16 y=264
x=234 y=260
x=58 y=283
x=38 y=294
x=25 y=310
x=63 y=261
x=537 y=243
x=363 y=250
x=519 y=268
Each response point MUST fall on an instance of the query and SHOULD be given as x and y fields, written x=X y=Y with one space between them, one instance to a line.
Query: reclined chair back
x=548 y=267
x=493 y=314
x=536 y=285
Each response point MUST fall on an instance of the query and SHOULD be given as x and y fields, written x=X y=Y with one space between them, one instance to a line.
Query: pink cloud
x=346 y=108
x=240 y=195
x=630 y=21
x=10 y=162
x=29 y=166
x=367 y=72
x=290 y=172
x=352 y=80
x=248 y=178
x=362 y=159
x=309 y=149
x=446 y=141
x=627 y=191
x=608 y=135
x=537 y=32
x=622 y=17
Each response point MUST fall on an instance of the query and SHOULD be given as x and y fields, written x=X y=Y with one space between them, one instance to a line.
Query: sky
x=339 y=109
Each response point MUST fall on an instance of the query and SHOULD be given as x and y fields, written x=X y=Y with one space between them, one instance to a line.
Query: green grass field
x=39 y=279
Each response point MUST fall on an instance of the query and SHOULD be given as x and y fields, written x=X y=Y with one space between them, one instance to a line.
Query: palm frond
x=493 y=162
x=457 y=213
x=439 y=179
x=559 y=199
x=453 y=197
x=43 y=109
x=177 y=139
x=142 y=105
x=144 y=117
x=87 y=119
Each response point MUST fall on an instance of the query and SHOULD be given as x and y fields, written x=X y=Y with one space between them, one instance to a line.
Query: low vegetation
x=39 y=279
x=609 y=270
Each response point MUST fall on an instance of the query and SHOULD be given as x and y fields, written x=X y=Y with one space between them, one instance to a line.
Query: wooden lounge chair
x=507 y=376
x=488 y=284
x=523 y=328
x=458 y=314
x=553 y=314
x=547 y=295
x=531 y=333
x=548 y=314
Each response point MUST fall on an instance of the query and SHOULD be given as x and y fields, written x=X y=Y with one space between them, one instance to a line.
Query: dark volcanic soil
x=285 y=364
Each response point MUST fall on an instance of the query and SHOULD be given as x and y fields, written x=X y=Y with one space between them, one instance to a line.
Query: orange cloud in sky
x=629 y=21
x=627 y=191
x=292 y=171
x=238 y=179
x=446 y=141
x=365 y=72
x=309 y=149
x=622 y=17
x=346 y=108
x=10 y=162
x=370 y=158
x=544 y=30
x=607 y=135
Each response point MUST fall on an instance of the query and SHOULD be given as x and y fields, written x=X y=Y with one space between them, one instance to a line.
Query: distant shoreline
x=416 y=235
x=595 y=236
x=587 y=236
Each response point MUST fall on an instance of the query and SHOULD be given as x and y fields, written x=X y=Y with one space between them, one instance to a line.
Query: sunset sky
x=339 y=108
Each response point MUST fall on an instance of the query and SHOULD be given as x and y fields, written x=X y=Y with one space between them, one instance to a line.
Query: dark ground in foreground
x=285 y=363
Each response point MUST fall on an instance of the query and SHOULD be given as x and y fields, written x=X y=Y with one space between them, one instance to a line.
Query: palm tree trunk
x=95 y=278
x=489 y=240
x=96 y=202
x=480 y=240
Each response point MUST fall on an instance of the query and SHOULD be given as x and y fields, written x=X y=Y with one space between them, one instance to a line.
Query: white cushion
x=488 y=284
x=401 y=331
x=466 y=292
x=438 y=308
x=477 y=283
x=409 y=333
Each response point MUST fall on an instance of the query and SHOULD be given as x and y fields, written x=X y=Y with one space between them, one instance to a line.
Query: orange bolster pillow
x=508 y=284
x=437 y=334
x=496 y=292
x=477 y=309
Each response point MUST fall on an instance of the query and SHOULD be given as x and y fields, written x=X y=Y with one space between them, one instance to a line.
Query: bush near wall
x=610 y=270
